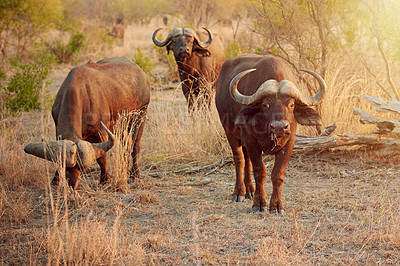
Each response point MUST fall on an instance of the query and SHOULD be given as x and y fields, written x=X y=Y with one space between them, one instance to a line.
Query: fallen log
x=381 y=145
x=383 y=126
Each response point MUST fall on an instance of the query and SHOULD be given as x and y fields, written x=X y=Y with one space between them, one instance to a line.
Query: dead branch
x=386 y=145
x=191 y=170
x=383 y=126
x=326 y=140
x=191 y=183
x=366 y=66
x=382 y=106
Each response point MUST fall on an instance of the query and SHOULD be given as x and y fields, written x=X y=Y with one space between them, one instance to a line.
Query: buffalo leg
x=56 y=178
x=187 y=91
x=134 y=172
x=239 y=191
x=277 y=178
x=72 y=175
x=104 y=174
x=260 y=174
x=247 y=175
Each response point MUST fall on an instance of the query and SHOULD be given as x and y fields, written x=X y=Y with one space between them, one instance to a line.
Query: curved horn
x=235 y=94
x=317 y=98
x=105 y=146
x=88 y=153
x=196 y=37
x=202 y=44
x=173 y=33
x=54 y=151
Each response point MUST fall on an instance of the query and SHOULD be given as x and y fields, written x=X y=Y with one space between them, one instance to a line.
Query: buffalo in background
x=199 y=57
x=118 y=30
x=259 y=106
x=92 y=94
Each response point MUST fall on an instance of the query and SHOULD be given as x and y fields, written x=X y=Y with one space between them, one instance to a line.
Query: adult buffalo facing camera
x=92 y=94
x=199 y=57
x=260 y=105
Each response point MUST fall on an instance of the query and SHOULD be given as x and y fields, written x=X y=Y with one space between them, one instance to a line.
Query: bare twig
x=191 y=183
x=192 y=170
x=377 y=33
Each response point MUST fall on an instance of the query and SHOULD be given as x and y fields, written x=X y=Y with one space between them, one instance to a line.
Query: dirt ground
x=342 y=207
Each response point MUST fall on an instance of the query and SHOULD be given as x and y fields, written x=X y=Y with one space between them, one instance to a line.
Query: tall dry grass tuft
x=87 y=239
x=126 y=131
x=346 y=82
x=172 y=135
x=18 y=168
x=15 y=206
x=92 y=241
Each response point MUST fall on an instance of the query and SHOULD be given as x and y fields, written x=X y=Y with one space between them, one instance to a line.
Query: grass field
x=342 y=206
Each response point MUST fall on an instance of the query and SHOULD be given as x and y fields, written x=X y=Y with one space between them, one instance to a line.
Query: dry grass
x=342 y=207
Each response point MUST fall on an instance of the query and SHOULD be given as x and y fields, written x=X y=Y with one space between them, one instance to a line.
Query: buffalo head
x=273 y=111
x=76 y=156
x=183 y=42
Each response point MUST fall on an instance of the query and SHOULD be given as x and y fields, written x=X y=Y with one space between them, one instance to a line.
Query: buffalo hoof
x=237 y=198
x=249 y=195
x=258 y=209
x=279 y=212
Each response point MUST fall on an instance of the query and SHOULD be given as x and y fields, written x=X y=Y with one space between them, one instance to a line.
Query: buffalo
x=92 y=94
x=118 y=30
x=199 y=57
x=259 y=106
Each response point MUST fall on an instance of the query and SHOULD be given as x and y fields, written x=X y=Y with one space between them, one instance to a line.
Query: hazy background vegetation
x=354 y=45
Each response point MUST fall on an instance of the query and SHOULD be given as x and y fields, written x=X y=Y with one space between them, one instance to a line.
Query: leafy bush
x=169 y=61
x=25 y=88
x=233 y=49
x=143 y=61
x=98 y=40
x=66 y=52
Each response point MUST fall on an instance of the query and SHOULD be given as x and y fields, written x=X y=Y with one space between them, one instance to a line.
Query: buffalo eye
x=291 y=104
x=265 y=105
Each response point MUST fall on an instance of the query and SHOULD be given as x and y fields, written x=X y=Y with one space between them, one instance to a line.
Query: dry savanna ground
x=342 y=206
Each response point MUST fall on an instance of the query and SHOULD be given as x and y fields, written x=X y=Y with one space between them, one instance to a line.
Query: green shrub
x=25 y=88
x=66 y=52
x=169 y=61
x=143 y=61
x=233 y=49
x=98 y=40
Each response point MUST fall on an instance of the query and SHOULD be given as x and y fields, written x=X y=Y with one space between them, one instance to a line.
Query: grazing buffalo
x=118 y=30
x=199 y=57
x=260 y=105
x=91 y=94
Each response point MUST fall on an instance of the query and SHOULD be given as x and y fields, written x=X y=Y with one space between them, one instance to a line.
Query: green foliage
x=233 y=49
x=27 y=20
x=25 y=88
x=143 y=61
x=168 y=60
x=97 y=39
x=66 y=52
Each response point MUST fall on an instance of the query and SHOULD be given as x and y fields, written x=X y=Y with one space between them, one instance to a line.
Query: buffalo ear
x=169 y=48
x=307 y=116
x=244 y=117
x=201 y=51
